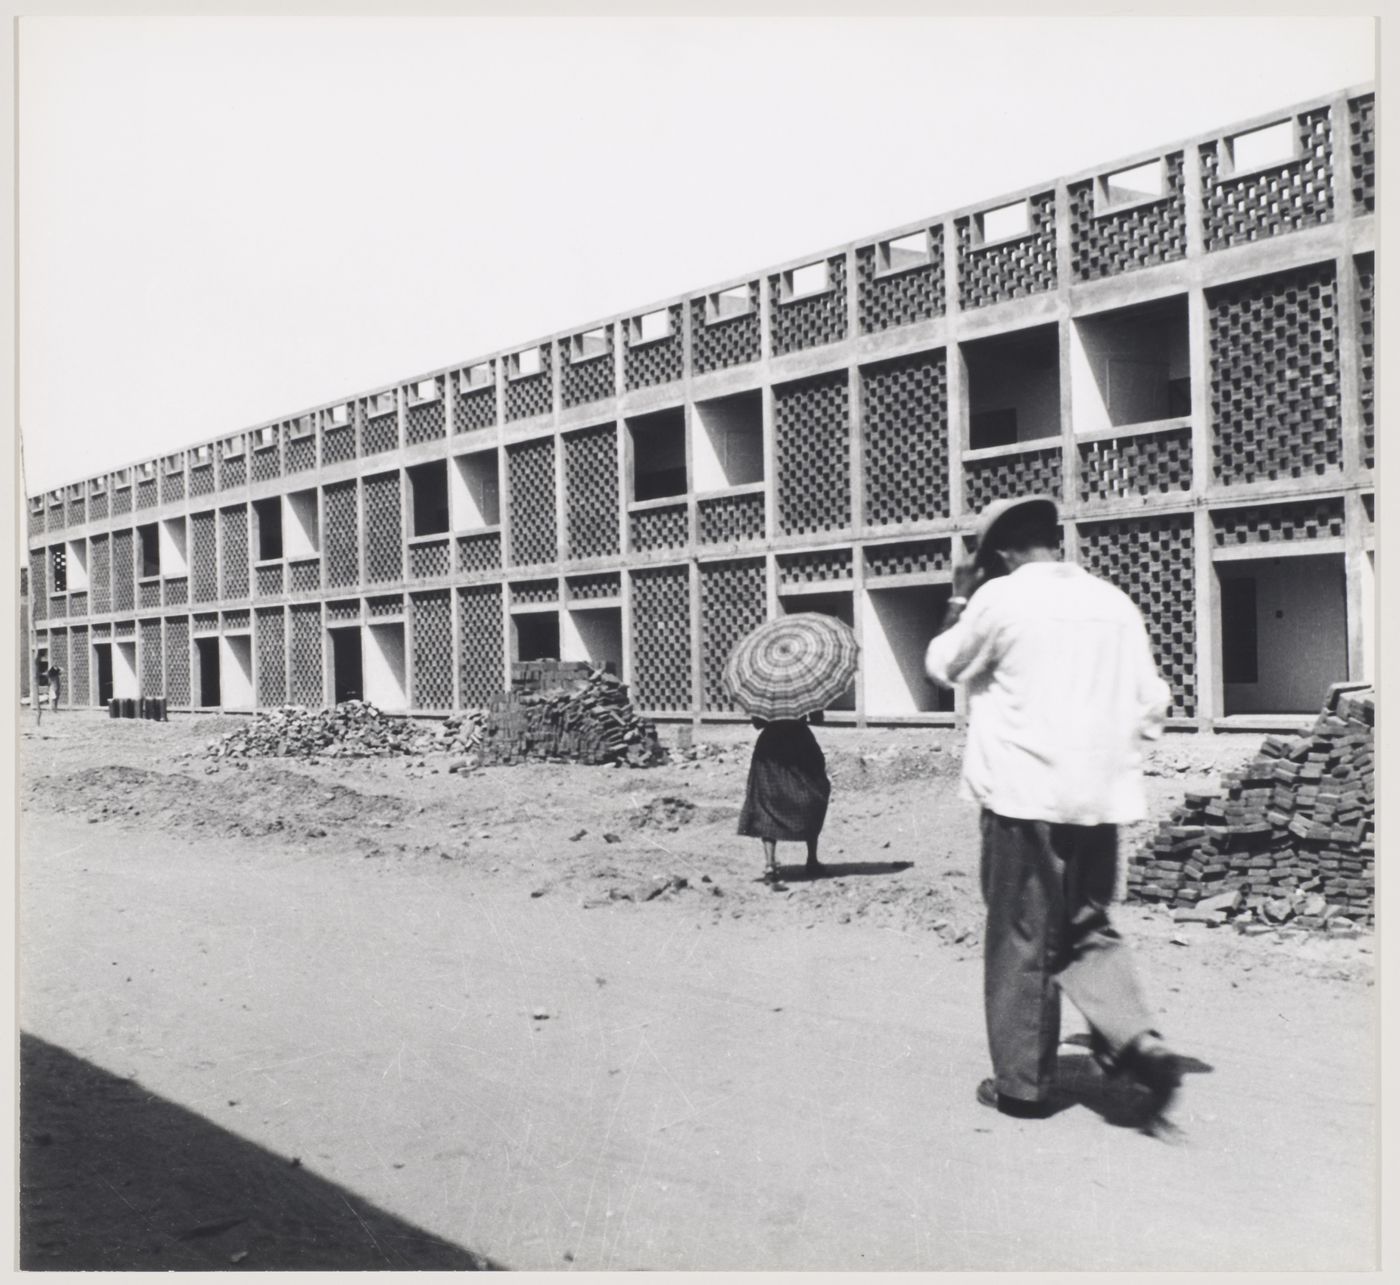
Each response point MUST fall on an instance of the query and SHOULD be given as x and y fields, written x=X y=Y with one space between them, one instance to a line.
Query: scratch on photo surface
x=632 y=1192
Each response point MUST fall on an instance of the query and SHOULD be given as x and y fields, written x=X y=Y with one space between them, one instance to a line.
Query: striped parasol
x=792 y=666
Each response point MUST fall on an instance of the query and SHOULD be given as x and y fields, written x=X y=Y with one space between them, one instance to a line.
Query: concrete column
x=1359 y=591
x=1210 y=683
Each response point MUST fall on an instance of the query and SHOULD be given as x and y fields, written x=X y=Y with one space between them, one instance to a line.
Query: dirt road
x=376 y=1015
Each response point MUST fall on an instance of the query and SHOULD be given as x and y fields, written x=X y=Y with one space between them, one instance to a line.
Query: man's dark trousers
x=1047 y=889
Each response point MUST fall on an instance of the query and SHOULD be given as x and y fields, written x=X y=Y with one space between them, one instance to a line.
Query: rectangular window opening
x=1005 y=221
x=529 y=361
x=737 y=301
x=476 y=491
x=590 y=344
x=266 y=437
x=1256 y=149
x=811 y=279
x=899 y=253
x=651 y=326
x=1145 y=182
x=384 y=403
x=729 y=447
x=338 y=416
x=58 y=565
x=478 y=376
x=267 y=522
x=1131 y=365
x=148 y=537
x=658 y=454
x=428 y=498
x=300 y=525
x=300 y=427
x=233 y=447
x=1013 y=387
x=426 y=390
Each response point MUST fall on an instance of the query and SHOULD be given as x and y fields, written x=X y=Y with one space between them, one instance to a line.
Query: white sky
x=223 y=221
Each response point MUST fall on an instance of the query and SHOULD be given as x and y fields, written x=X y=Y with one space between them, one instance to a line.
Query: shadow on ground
x=113 y=1177
x=841 y=869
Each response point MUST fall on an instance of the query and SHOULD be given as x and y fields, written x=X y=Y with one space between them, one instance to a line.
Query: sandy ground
x=376 y=1015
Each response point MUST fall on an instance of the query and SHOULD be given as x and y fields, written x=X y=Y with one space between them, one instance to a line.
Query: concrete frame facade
x=856 y=388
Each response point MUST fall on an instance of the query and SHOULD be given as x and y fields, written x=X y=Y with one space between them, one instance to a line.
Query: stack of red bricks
x=567 y=713
x=1291 y=839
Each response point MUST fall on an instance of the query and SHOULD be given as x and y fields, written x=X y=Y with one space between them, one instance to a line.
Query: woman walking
x=788 y=791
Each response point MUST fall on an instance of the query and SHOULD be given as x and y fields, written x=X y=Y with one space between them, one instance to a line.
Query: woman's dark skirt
x=788 y=788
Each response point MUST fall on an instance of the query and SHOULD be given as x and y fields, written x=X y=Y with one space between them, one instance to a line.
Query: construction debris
x=567 y=713
x=1291 y=839
x=352 y=729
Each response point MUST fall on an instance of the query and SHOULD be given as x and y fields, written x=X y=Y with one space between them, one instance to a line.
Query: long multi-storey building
x=1177 y=345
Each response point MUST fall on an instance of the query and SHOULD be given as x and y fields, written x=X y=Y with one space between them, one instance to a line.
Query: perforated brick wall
x=533 y=524
x=1118 y=468
x=269 y=580
x=904 y=439
x=608 y=584
x=476 y=409
x=75 y=510
x=145 y=493
x=201 y=480
x=1366 y=353
x=240 y=620
x=589 y=379
x=172 y=488
x=58 y=607
x=660 y=528
x=1275 y=400
x=177 y=592
x=811 y=321
x=271 y=643
x=733 y=341
x=1281 y=198
x=380 y=431
x=206 y=623
x=812 y=422
x=661 y=639
x=733 y=600
x=147 y=594
x=658 y=361
x=304 y=641
x=591 y=489
x=267 y=463
x=343 y=612
x=300 y=453
x=914 y=557
x=383 y=529
x=55 y=516
x=36 y=518
x=1363 y=153
x=77 y=603
x=533 y=593
x=177 y=660
x=204 y=562
x=1009 y=269
x=815 y=567
x=338 y=444
x=123 y=571
x=481 y=663
x=384 y=608
x=233 y=526
x=429 y=559
x=305 y=576
x=152 y=671
x=39 y=584
x=534 y=394
x=341 y=537
x=1027 y=472
x=78 y=676
x=731 y=519
x=432 y=650
x=1137 y=236
x=427 y=421
x=97 y=506
x=889 y=299
x=1151 y=560
x=233 y=471
x=121 y=501
x=1278 y=523
x=100 y=573
x=477 y=554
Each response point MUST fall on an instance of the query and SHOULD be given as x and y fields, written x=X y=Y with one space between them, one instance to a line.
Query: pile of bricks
x=567 y=714
x=1291 y=838
x=353 y=729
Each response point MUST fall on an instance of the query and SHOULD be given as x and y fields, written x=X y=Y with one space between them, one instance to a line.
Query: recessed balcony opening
x=347 y=664
x=58 y=569
x=174 y=560
x=267 y=528
x=1256 y=149
x=301 y=536
x=841 y=604
x=658 y=454
x=898 y=625
x=1283 y=632
x=148 y=556
x=476 y=491
x=592 y=634
x=1013 y=384
x=385 y=666
x=536 y=635
x=729 y=446
x=427 y=491
x=1131 y=366
x=236 y=671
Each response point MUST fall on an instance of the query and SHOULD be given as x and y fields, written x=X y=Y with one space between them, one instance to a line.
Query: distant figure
x=53 y=676
x=1062 y=692
x=788 y=791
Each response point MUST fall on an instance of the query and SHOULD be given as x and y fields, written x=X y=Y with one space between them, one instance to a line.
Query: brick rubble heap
x=1290 y=839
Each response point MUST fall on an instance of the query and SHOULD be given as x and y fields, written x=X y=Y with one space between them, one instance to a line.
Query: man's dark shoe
x=1157 y=1070
x=1020 y=1108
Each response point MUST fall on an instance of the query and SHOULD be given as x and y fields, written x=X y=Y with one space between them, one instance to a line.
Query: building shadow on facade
x=113 y=1177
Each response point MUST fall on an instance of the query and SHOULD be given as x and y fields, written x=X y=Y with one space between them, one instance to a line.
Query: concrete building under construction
x=1178 y=345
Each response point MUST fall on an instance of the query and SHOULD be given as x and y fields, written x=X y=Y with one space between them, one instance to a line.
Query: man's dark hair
x=1033 y=527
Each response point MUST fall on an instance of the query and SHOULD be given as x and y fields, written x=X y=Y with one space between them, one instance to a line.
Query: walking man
x=1062 y=691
